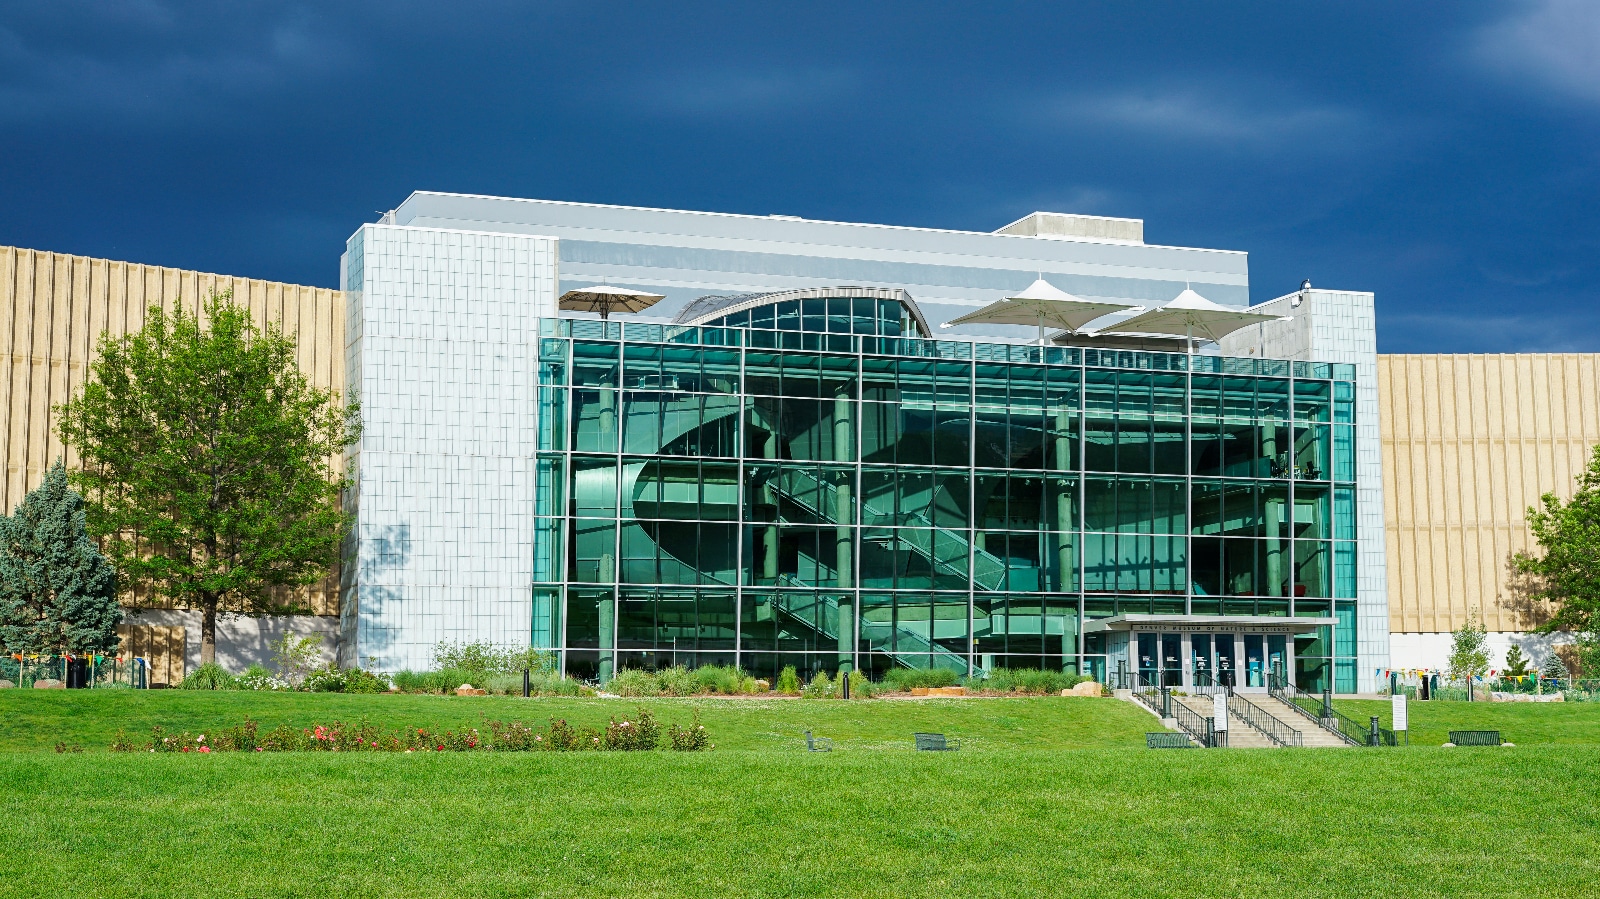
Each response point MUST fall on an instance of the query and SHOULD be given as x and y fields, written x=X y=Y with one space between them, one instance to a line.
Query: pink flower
x=205 y=749
x=259 y=749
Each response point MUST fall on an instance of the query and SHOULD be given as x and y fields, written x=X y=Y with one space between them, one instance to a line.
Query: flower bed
x=639 y=733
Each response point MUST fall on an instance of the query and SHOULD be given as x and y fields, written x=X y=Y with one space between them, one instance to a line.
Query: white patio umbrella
x=1043 y=304
x=606 y=300
x=1190 y=315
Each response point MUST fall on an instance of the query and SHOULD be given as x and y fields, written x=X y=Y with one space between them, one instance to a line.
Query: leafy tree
x=208 y=463
x=58 y=594
x=1469 y=652
x=1567 y=572
x=1586 y=652
x=1516 y=663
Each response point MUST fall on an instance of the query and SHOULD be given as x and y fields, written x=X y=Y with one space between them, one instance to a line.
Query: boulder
x=1087 y=688
x=5 y=684
x=49 y=683
x=470 y=690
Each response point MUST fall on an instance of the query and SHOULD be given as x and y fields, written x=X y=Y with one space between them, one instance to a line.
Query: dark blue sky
x=1441 y=155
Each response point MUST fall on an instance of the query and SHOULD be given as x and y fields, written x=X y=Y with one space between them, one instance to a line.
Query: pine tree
x=57 y=592
x=1516 y=662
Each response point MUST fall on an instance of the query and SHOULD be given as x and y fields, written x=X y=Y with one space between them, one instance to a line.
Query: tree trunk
x=208 y=628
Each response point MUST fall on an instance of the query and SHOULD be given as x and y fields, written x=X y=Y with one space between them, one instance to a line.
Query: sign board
x=1219 y=711
x=1397 y=709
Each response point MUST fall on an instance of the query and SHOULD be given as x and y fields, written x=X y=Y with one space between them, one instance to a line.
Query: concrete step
x=1311 y=733
x=1240 y=734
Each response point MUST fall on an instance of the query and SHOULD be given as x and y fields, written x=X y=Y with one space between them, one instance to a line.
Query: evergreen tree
x=57 y=592
x=1553 y=668
x=1516 y=662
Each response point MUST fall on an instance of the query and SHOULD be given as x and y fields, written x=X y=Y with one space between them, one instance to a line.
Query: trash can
x=77 y=674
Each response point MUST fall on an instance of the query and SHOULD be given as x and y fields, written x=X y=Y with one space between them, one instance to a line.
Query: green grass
x=37 y=719
x=1309 y=823
x=1049 y=798
x=1523 y=723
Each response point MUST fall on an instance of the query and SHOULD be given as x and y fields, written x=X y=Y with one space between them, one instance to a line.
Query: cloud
x=1205 y=114
x=1556 y=42
x=730 y=92
x=141 y=61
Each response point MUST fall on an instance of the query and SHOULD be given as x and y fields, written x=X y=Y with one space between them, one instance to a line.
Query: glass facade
x=830 y=493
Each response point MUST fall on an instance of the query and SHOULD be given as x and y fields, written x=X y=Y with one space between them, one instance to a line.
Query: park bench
x=818 y=744
x=1475 y=737
x=936 y=743
x=1167 y=740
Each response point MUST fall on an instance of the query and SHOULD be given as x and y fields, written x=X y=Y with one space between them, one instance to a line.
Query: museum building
x=786 y=460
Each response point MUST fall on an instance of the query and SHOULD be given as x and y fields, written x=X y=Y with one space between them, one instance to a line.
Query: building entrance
x=1201 y=660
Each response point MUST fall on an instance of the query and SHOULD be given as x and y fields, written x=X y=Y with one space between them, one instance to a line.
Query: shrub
x=691 y=739
x=257 y=677
x=821 y=687
x=905 y=679
x=209 y=676
x=563 y=737
x=634 y=682
x=333 y=679
x=295 y=657
x=642 y=733
x=482 y=659
x=788 y=681
x=676 y=681
x=1029 y=681
x=860 y=685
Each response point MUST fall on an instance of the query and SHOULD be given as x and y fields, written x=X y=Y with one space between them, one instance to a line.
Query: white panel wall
x=444 y=337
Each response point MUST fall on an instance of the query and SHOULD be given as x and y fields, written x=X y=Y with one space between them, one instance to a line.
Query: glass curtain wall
x=851 y=500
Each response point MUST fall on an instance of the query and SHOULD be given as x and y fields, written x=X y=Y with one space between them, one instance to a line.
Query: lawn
x=37 y=719
x=1050 y=797
x=1523 y=723
x=1310 y=823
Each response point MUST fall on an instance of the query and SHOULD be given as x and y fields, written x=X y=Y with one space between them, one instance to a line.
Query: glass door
x=1225 y=662
x=1200 y=664
x=1172 y=660
x=1255 y=661
x=1278 y=655
x=1148 y=658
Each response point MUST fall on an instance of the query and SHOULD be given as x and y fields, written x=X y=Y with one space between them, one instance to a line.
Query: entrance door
x=1278 y=655
x=1255 y=661
x=1200 y=661
x=1225 y=667
x=1172 y=660
x=1148 y=658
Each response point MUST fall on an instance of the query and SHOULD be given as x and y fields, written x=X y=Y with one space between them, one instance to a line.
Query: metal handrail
x=1320 y=709
x=1258 y=718
x=1159 y=700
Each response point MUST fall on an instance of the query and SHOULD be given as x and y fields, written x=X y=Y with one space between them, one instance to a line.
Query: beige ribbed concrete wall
x=54 y=307
x=1469 y=443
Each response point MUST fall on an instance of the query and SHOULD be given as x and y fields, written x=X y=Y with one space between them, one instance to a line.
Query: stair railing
x=1200 y=728
x=1320 y=709
x=1258 y=718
